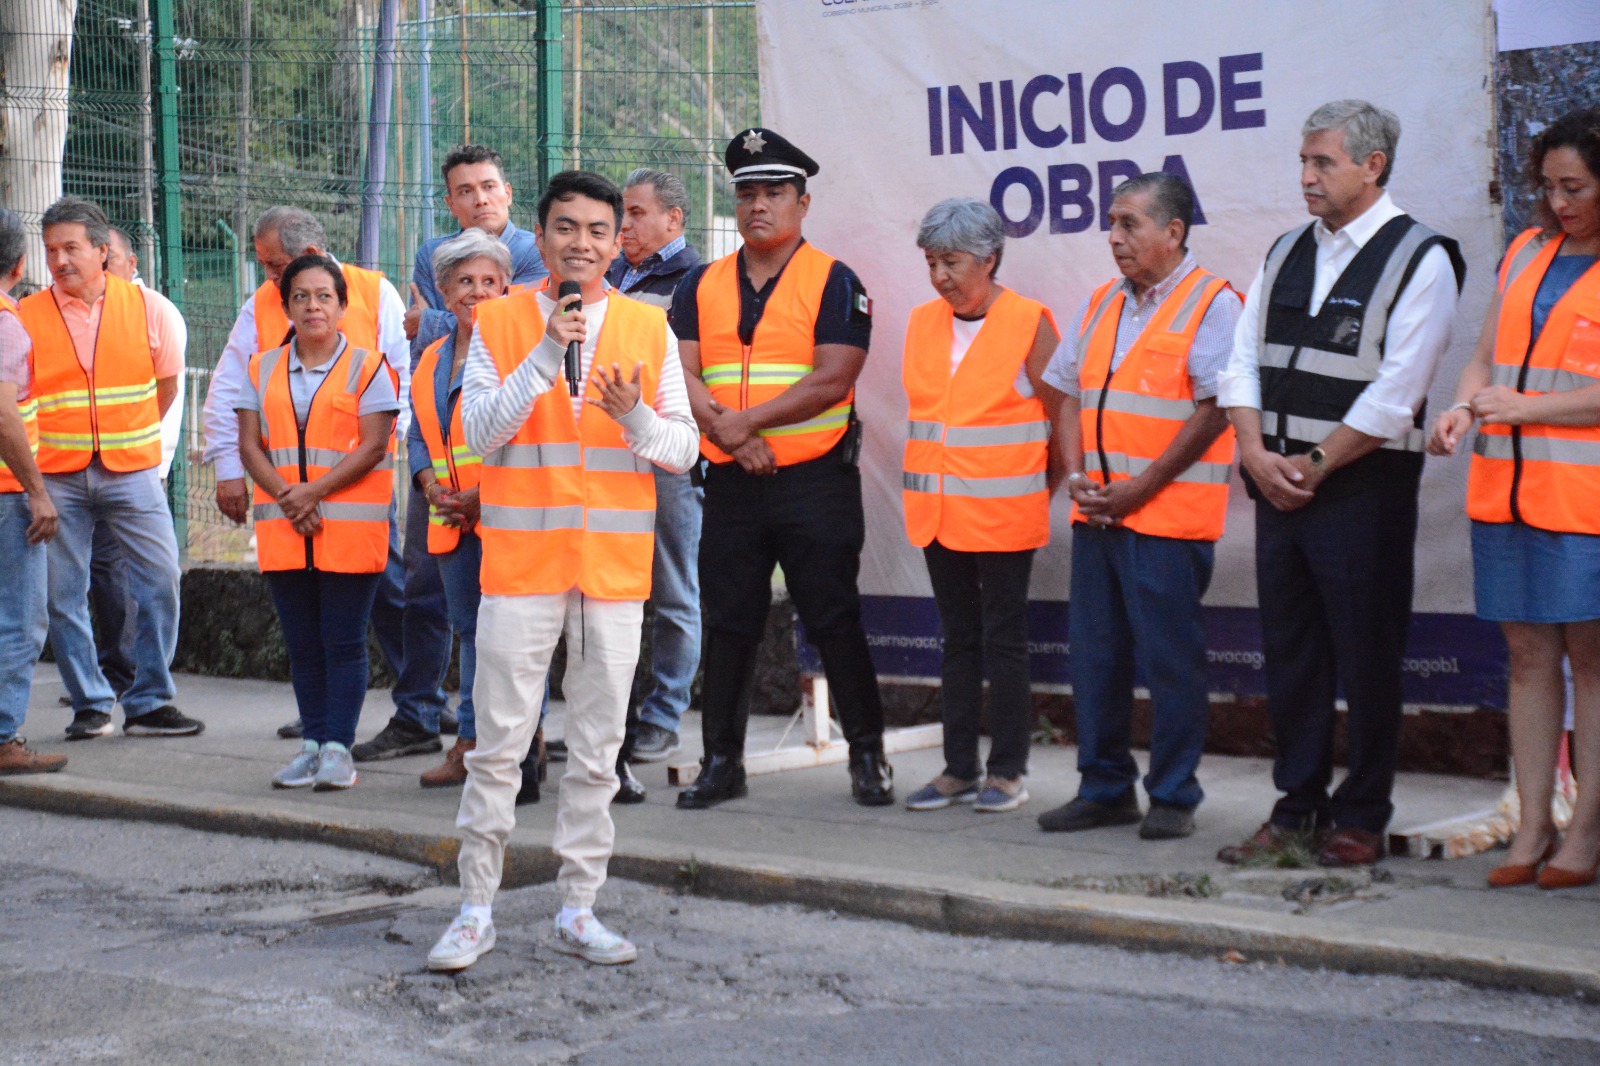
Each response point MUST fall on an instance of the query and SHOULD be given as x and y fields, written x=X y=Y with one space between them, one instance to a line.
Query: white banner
x=1547 y=23
x=1042 y=106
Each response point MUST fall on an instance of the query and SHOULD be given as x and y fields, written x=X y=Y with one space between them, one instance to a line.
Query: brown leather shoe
x=17 y=758
x=453 y=771
x=1269 y=836
x=1352 y=847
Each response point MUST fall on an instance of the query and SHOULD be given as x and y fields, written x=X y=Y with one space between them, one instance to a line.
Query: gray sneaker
x=1166 y=823
x=653 y=743
x=335 y=770
x=301 y=771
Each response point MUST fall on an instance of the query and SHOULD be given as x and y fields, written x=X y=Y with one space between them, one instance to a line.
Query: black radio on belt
x=850 y=443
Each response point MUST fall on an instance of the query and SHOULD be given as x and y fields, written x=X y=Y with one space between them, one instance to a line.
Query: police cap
x=762 y=155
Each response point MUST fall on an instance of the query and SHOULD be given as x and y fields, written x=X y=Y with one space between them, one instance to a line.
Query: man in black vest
x=1340 y=336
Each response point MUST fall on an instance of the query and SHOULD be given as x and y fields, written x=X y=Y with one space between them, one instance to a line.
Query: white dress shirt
x=493 y=411
x=1417 y=335
x=1209 y=352
x=232 y=376
x=172 y=421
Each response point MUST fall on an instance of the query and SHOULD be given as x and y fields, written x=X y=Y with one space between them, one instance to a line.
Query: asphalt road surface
x=132 y=943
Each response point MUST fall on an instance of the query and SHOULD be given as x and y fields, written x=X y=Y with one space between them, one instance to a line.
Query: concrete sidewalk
x=799 y=838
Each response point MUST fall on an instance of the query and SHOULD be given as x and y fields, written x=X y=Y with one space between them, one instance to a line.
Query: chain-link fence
x=185 y=119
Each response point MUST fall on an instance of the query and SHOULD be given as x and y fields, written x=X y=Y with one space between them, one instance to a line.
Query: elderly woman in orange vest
x=469 y=268
x=976 y=495
x=314 y=433
x=1533 y=494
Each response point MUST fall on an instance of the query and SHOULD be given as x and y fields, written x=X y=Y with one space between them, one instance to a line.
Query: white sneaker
x=335 y=770
x=588 y=939
x=463 y=944
x=301 y=771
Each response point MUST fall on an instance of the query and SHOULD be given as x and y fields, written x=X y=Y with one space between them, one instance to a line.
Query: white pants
x=516 y=637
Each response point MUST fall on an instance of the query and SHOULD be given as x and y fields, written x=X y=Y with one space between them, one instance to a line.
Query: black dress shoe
x=871 y=779
x=630 y=790
x=556 y=750
x=1079 y=814
x=721 y=779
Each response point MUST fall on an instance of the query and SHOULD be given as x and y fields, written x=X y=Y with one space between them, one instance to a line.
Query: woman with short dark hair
x=1533 y=387
x=314 y=433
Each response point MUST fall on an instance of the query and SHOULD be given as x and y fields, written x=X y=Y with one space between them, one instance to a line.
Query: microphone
x=574 y=350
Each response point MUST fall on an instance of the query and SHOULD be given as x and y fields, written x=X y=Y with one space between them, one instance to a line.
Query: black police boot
x=720 y=779
x=871 y=777
x=729 y=665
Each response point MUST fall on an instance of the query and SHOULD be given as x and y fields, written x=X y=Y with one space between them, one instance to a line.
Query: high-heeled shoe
x=1560 y=877
x=1512 y=874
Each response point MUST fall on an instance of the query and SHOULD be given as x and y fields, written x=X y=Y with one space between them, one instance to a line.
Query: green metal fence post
x=550 y=128
x=171 y=223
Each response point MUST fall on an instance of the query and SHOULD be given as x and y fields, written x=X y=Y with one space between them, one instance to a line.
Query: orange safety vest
x=1545 y=476
x=111 y=410
x=1131 y=415
x=974 y=476
x=454 y=464
x=780 y=353
x=28 y=409
x=355 y=520
x=566 y=502
x=360 y=322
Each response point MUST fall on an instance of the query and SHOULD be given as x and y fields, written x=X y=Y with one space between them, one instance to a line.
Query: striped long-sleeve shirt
x=492 y=411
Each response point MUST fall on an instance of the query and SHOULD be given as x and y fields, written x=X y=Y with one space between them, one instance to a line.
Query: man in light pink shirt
x=118 y=481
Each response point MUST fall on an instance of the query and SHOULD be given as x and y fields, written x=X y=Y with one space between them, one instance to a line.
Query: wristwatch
x=1316 y=457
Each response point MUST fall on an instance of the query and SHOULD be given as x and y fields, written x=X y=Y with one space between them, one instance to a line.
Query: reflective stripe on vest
x=1309 y=374
x=975 y=456
x=360 y=322
x=354 y=538
x=456 y=466
x=565 y=502
x=112 y=410
x=780 y=352
x=28 y=410
x=1546 y=476
x=1130 y=416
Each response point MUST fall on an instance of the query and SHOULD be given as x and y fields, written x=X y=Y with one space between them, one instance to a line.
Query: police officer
x=772 y=340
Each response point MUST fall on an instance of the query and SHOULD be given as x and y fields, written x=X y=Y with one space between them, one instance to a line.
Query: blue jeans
x=24 y=620
x=675 y=594
x=116 y=613
x=1133 y=593
x=324 y=617
x=134 y=508
x=412 y=621
x=459 y=572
